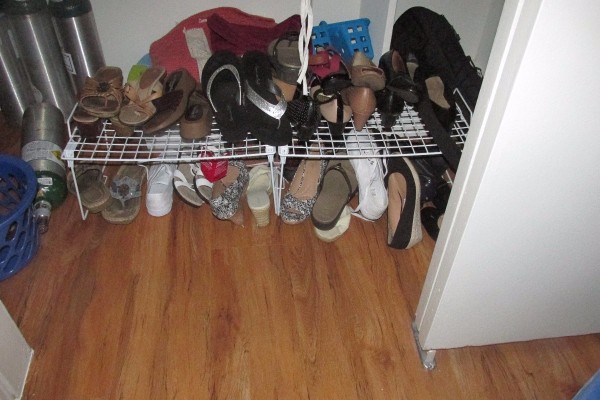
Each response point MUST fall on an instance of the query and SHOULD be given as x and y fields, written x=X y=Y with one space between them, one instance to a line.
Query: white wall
x=15 y=357
x=127 y=28
x=518 y=257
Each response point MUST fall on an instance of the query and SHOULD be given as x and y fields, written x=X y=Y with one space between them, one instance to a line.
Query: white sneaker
x=372 y=194
x=159 y=197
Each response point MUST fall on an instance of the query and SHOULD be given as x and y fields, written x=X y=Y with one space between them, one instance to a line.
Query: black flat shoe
x=397 y=78
x=404 y=192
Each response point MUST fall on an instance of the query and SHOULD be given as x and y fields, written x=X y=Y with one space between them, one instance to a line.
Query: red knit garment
x=226 y=28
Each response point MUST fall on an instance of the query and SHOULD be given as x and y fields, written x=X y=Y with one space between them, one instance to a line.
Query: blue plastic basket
x=19 y=236
x=345 y=37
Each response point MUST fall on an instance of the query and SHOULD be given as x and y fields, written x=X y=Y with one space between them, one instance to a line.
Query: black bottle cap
x=69 y=8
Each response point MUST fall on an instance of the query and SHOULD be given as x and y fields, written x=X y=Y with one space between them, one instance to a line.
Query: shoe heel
x=260 y=205
x=360 y=121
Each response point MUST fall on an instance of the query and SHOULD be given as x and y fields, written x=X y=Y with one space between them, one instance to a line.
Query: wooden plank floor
x=189 y=307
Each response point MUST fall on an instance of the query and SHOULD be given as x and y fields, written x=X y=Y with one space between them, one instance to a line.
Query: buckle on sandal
x=124 y=189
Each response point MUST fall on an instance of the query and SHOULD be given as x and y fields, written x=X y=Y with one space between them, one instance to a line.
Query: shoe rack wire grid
x=407 y=138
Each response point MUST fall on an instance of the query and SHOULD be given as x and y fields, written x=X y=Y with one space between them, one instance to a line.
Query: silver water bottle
x=78 y=37
x=38 y=48
x=16 y=93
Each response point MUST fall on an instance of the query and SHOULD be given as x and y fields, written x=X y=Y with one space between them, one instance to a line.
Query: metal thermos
x=37 y=46
x=78 y=37
x=16 y=93
x=44 y=137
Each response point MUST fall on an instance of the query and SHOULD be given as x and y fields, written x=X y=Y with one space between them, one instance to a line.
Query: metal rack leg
x=84 y=212
x=427 y=356
x=282 y=151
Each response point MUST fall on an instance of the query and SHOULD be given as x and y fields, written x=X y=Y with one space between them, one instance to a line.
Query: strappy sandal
x=338 y=186
x=298 y=202
x=102 y=95
x=326 y=62
x=183 y=182
x=285 y=57
x=227 y=192
x=140 y=94
x=331 y=103
x=265 y=102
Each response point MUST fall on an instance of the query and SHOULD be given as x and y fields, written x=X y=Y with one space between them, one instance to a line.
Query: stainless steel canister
x=16 y=93
x=78 y=37
x=37 y=46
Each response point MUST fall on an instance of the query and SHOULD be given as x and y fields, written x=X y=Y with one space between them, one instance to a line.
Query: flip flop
x=265 y=103
x=183 y=182
x=101 y=95
x=126 y=193
x=93 y=193
x=203 y=186
x=338 y=187
x=222 y=83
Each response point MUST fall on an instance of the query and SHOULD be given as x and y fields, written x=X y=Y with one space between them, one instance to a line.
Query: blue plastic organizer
x=345 y=37
x=19 y=236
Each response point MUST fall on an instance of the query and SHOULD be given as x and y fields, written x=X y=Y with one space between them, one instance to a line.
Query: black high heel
x=397 y=78
x=390 y=105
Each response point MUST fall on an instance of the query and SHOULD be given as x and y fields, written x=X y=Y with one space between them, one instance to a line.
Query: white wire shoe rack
x=407 y=138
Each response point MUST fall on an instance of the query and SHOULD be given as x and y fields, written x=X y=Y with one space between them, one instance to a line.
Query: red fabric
x=235 y=31
x=239 y=37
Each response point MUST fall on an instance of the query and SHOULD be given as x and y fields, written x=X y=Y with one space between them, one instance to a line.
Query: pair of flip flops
x=120 y=203
x=245 y=98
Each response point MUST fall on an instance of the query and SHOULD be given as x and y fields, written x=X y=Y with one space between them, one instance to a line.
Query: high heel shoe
x=364 y=72
x=362 y=103
x=404 y=193
x=227 y=192
x=397 y=77
x=390 y=105
x=333 y=109
x=298 y=202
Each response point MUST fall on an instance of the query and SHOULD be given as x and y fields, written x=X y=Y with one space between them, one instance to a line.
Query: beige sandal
x=140 y=94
